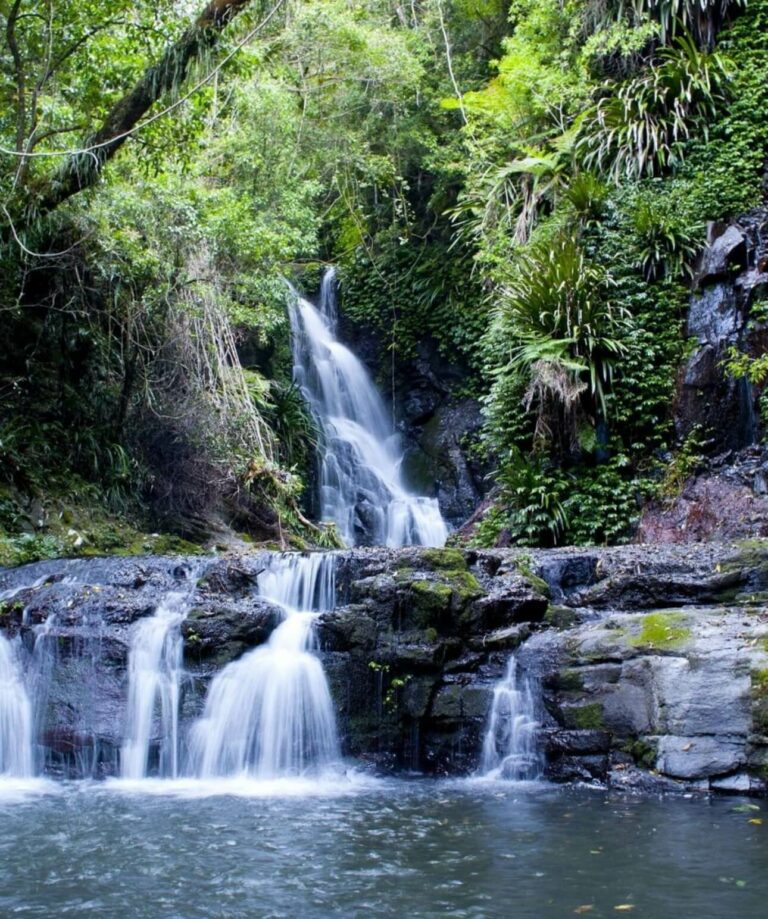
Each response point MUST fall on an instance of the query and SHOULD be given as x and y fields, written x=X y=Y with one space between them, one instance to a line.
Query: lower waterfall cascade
x=16 y=757
x=155 y=667
x=510 y=750
x=269 y=714
x=361 y=484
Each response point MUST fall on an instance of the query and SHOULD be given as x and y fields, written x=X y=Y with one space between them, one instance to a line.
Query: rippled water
x=375 y=848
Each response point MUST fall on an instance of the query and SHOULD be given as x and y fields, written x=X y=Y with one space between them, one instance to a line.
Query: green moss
x=570 y=680
x=430 y=600
x=584 y=717
x=524 y=565
x=662 y=630
x=560 y=617
x=444 y=559
x=642 y=752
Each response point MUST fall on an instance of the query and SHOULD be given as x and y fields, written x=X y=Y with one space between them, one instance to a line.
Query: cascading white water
x=269 y=714
x=361 y=486
x=15 y=718
x=509 y=746
x=155 y=666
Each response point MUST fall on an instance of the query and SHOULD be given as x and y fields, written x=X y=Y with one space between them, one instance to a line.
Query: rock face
x=660 y=666
x=650 y=662
x=726 y=498
x=413 y=655
x=726 y=311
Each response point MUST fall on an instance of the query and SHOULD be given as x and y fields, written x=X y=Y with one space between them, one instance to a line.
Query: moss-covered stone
x=642 y=752
x=760 y=701
x=666 y=630
x=524 y=565
x=587 y=717
x=445 y=559
x=569 y=680
x=560 y=617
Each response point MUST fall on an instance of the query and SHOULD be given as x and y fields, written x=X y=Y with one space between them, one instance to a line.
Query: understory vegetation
x=521 y=186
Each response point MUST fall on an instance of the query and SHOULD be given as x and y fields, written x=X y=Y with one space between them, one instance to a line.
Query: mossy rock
x=642 y=752
x=436 y=602
x=524 y=566
x=560 y=617
x=587 y=717
x=664 y=630
x=569 y=680
x=429 y=603
x=760 y=701
x=444 y=559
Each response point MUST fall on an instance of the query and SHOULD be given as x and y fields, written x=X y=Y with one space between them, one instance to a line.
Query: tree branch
x=82 y=168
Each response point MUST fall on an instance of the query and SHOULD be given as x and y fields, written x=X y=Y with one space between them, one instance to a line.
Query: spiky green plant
x=640 y=128
x=701 y=18
x=666 y=244
x=564 y=330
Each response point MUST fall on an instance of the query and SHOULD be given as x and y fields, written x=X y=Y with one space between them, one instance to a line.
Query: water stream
x=16 y=760
x=509 y=747
x=361 y=485
x=269 y=714
x=155 y=667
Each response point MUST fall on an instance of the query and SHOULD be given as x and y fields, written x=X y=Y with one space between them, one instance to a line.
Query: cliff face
x=727 y=310
x=650 y=665
x=726 y=496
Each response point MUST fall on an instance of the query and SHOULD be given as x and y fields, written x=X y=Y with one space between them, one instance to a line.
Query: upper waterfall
x=361 y=485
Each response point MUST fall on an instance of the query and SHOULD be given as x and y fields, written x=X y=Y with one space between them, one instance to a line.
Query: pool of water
x=376 y=848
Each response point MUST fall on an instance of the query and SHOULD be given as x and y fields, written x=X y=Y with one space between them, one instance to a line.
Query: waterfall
x=155 y=666
x=509 y=746
x=361 y=487
x=270 y=713
x=15 y=717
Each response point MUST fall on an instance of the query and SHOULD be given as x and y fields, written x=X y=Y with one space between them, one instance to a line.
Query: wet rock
x=238 y=627
x=714 y=316
x=699 y=757
x=741 y=783
x=725 y=255
x=722 y=503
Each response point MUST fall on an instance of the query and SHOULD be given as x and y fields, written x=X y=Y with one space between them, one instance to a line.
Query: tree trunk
x=81 y=170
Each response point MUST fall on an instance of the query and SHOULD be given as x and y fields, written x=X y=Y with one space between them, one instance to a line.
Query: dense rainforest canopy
x=524 y=186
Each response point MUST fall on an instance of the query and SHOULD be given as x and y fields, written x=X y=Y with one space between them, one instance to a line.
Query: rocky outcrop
x=725 y=312
x=413 y=655
x=726 y=498
x=658 y=676
x=650 y=662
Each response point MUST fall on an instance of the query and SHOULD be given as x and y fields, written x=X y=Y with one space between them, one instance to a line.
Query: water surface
x=364 y=848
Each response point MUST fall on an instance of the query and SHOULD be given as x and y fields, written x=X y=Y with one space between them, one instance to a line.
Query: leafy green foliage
x=640 y=127
x=666 y=242
x=565 y=331
x=530 y=510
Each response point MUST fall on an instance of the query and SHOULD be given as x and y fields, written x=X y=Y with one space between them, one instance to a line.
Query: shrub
x=640 y=128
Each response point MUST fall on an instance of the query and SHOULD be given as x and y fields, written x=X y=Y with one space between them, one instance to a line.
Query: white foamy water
x=269 y=715
x=509 y=746
x=155 y=667
x=361 y=486
x=16 y=761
